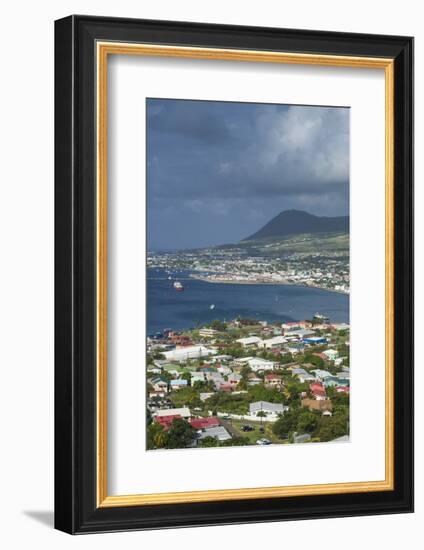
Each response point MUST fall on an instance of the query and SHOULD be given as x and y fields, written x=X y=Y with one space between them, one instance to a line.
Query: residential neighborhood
x=248 y=382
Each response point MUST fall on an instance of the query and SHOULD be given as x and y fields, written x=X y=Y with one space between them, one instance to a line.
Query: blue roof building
x=178 y=383
x=314 y=340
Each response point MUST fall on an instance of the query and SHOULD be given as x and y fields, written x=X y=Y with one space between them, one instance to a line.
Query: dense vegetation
x=321 y=428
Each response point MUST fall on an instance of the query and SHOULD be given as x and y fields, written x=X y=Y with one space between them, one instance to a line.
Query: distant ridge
x=292 y=222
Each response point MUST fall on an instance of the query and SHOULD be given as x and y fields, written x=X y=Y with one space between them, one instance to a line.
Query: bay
x=201 y=302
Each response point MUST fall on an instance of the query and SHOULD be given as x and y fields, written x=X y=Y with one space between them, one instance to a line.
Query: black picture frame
x=76 y=510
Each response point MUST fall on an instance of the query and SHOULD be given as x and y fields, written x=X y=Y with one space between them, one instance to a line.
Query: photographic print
x=247 y=274
x=208 y=236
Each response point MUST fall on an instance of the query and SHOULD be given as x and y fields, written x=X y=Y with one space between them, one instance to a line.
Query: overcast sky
x=218 y=171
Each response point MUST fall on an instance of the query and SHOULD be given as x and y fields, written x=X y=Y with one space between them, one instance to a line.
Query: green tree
x=332 y=427
x=203 y=386
x=186 y=376
x=219 y=325
x=293 y=390
x=185 y=397
x=245 y=371
x=307 y=422
x=285 y=424
x=314 y=360
x=234 y=351
x=156 y=436
x=258 y=392
x=242 y=385
x=236 y=442
x=180 y=434
x=209 y=442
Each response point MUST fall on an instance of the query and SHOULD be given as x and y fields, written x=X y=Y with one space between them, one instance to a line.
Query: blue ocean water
x=167 y=308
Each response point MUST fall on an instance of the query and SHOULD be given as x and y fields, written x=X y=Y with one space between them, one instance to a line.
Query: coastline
x=244 y=282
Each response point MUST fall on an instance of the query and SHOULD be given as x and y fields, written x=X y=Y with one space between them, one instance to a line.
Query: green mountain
x=298 y=222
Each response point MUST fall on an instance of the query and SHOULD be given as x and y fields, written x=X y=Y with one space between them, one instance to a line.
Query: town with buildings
x=247 y=382
x=265 y=263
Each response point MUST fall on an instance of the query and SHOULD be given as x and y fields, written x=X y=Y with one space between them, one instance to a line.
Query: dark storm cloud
x=217 y=171
x=190 y=121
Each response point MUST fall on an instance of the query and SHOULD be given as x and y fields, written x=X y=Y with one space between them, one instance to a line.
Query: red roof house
x=317 y=390
x=202 y=423
x=166 y=421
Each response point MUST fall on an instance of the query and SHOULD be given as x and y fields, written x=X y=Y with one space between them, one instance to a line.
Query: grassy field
x=303 y=243
x=256 y=434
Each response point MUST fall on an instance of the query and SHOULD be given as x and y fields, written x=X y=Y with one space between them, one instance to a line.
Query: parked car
x=263 y=441
x=247 y=428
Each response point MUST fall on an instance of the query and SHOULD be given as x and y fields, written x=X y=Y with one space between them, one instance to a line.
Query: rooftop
x=266 y=407
x=218 y=432
x=182 y=411
x=249 y=340
x=201 y=423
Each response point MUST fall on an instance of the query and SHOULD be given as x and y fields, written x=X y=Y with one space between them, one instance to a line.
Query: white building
x=217 y=432
x=270 y=343
x=271 y=411
x=187 y=353
x=258 y=364
x=208 y=332
x=197 y=377
x=224 y=370
x=242 y=360
x=322 y=374
x=340 y=326
x=184 y=412
x=302 y=375
x=249 y=341
x=219 y=358
x=301 y=333
x=332 y=354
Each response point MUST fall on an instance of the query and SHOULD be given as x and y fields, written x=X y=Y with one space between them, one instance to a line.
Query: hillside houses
x=227 y=385
x=203 y=427
x=188 y=352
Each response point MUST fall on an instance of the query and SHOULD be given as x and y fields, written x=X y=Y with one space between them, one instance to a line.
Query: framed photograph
x=234 y=267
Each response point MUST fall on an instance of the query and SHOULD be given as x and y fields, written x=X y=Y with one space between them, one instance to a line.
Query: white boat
x=178 y=286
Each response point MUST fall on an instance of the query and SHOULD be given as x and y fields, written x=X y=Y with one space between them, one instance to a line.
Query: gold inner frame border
x=103 y=50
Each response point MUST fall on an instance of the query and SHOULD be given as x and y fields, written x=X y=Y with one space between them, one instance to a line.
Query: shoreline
x=280 y=283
